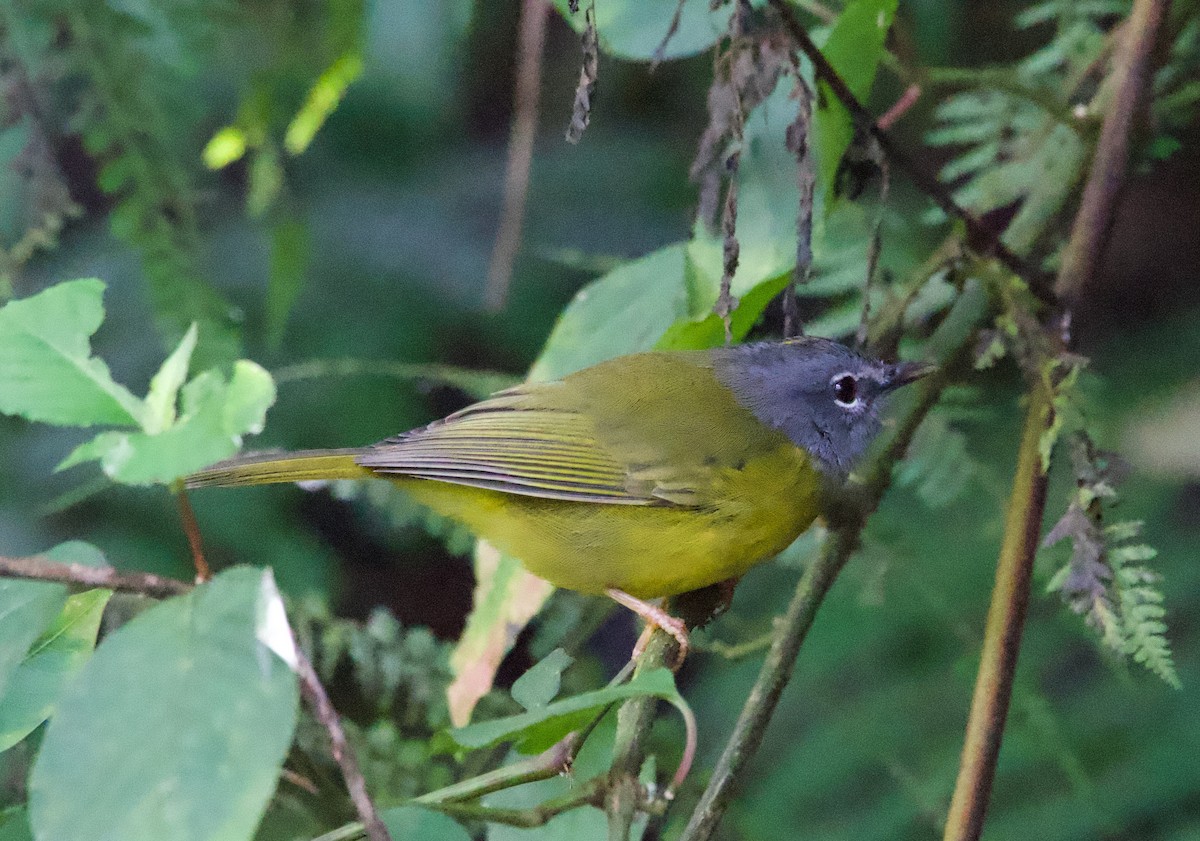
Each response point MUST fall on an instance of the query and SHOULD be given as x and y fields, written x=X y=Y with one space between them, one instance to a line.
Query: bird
x=643 y=476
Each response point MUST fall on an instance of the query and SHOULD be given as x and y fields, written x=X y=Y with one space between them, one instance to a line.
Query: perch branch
x=1092 y=222
x=37 y=568
x=1002 y=635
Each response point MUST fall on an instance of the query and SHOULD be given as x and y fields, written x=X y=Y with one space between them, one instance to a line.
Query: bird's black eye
x=845 y=390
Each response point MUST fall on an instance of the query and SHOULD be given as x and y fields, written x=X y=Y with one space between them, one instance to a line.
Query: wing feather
x=549 y=453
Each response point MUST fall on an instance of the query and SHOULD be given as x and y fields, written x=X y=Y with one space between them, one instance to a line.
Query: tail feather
x=265 y=468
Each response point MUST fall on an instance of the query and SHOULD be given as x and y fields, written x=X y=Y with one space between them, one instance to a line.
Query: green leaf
x=26 y=609
x=854 y=48
x=536 y=730
x=414 y=822
x=634 y=29
x=47 y=372
x=538 y=686
x=215 y=415
x=52 y=661
x=625 y=311
x=77 y=552
x=323 y=97
x=164 y=386
x=188 y=712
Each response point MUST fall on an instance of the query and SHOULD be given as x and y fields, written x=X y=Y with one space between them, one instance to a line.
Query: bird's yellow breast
x=751 y=511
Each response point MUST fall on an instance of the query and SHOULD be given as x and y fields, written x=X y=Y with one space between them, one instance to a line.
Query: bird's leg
x=655 y=617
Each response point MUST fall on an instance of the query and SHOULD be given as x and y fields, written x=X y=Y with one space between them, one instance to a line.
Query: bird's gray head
x=821 y=394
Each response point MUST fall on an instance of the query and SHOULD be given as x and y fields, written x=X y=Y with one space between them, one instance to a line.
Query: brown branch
x=1092 y=222
x=1002 y=636
x=980 y=237
x=531 y=39
x=37 y=568
x=192 y=529
x=318 y=701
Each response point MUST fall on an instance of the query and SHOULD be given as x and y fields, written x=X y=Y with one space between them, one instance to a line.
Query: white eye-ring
x=845 y=390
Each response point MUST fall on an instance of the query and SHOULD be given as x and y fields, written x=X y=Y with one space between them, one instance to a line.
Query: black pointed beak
x=903 y=373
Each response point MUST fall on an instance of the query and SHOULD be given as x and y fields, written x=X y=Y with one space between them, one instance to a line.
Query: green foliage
x=201 y=673
x=360 y=254
x=854 y=48
x=47 y=373
x=537 y=729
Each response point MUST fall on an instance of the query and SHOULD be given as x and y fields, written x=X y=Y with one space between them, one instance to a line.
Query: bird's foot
x=655 y=618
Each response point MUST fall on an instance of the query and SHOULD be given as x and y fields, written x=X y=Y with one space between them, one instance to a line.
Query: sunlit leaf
x=47 y=372
x=188 y=712
x=214 y=416
x=164 y=386
x=323 y=97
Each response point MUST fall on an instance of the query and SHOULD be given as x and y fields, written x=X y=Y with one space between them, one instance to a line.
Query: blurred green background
x=389 y=219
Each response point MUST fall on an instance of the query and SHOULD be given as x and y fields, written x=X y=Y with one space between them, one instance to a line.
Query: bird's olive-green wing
x=650 y=429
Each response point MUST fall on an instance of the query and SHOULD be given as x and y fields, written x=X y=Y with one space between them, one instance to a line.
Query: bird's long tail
x=270 y=467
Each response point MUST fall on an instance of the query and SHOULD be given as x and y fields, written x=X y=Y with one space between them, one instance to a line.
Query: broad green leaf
x=538 y=686
x=47 y=372
x=854 y=48
x=51 y=662
x=164 y=386
x=506 y=598
x=633 y=29
x=189 y=714
x=625 y=311
x=536 y=730
x=26 y=609
x=414 y=822
x=710 y=331
x=215 y=415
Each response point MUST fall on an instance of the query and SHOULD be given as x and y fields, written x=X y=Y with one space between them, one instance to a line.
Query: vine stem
x=1005 y=622
x=531 y=39
x=1132 y=72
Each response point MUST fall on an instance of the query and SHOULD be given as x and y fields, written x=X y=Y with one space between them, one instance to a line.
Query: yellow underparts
x=752 y=512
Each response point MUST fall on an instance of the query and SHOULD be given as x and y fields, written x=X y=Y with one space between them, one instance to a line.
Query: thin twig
x=1132 y=71
x=874 y=247
x=660 y=52
x=901 y=107
x=980 y=237
x=552 y=762
x=1005 y=621
x=318 y=701
x=581 y=109
x=799 y=140
x=192 y=530
x=38 y=568
x=531 y=39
